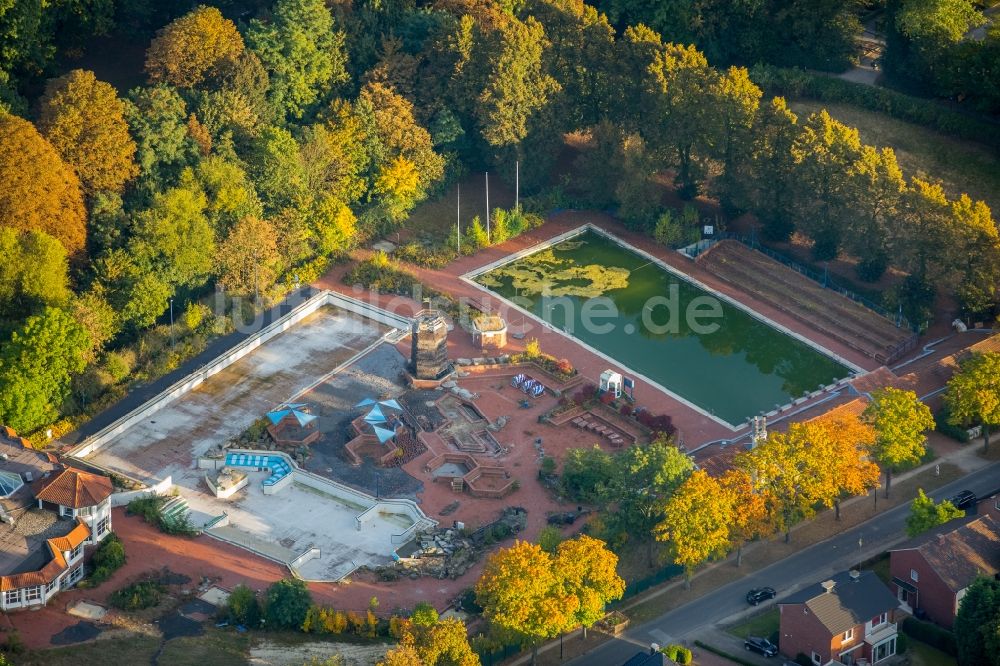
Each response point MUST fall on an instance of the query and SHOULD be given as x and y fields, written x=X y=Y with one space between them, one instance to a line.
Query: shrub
x=424 y=614
x=532 y=349
x=144 y=594
x=933 y=635
x=243 y=606
x=108 y=558
x=421 y=255
x=585 y=394
x=381 y=273
x=288 y=603
x=548 y=466
x=901 y=644
x=625 y=410
x=942 y=426
x=607 y=398
x=684 y=655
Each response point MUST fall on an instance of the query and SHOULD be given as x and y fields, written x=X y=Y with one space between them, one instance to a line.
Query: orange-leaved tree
x=751 y=517
x=848 y=443
x=432 y=642
x=39 y=191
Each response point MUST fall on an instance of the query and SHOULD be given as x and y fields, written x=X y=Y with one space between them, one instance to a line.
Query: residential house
x=931 y=573
x=849 y=619
x=49 y=515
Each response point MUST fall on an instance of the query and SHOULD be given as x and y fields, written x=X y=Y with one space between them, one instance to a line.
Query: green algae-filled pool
x=638 y=315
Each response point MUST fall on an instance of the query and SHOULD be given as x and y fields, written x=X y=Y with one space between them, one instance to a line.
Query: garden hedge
x=933 y=635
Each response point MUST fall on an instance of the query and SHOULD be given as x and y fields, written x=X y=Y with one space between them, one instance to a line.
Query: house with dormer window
x=849 y=619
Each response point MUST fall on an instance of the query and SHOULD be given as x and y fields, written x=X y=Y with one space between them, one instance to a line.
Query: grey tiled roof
x=849 y=603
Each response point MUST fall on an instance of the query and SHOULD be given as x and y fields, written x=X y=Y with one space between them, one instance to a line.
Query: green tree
x=287 y=603
x=516 y=85
x=880 y=186
x=772 y=169
x=84 y=120
x=40 y=192
x=925 y=514
x=177 y=236
x=645 y=477
x=230 y=193
x=134 y=290
x=973 y=393
x=900 y=420
x=33 y=273
x=681 y=127
x=157 y=116
x=475 y=236
x=735 y=100
x=193 y=47
x=977 y=624
x=302 y=51
x=425 y=614
x=36 y=366
x=825 y=154
x=587 y=474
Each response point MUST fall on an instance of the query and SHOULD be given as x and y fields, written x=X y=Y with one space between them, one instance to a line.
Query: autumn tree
x=433 y=643
x=522 y=596
x=845 y=441
x=973 y=393
x=751 y=515
x=397 y=185
x=589 y=576
x=40 y=192
x=302 y=51
x=735 y=100
x=925 y=514
x=36 y=366
x=772 y=168
x=880 y=186
x=192 y=47
x=696 y=522
x=84 y=120
x=900 y=421
x=247 y=258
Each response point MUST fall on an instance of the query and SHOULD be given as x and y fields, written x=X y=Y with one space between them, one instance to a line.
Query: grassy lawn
x=921 y=654
x=881 y=568
x=764 y=625
x=215 y=647
x=434 y=219
x=134 y=649
x=963 y=166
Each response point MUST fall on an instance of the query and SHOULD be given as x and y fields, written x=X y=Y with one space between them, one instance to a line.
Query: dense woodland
x=268 y=140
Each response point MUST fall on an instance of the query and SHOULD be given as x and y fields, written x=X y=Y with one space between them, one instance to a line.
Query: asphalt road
x=809 y=566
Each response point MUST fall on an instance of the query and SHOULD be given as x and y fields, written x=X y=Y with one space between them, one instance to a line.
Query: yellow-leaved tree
x=751 y=517
x=900 y=421
x=39 y=191
x=193 y=47
x=589 y=574
x=84 y=121
x=696 y=522
x=848 y=449
x=432 y=642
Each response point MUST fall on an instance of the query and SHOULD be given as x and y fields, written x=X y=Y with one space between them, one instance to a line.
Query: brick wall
x=933 y=595
x=800 y=631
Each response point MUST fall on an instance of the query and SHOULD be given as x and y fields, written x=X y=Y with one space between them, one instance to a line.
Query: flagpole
x=488 y=237
x=517 y=186
x=458 y=219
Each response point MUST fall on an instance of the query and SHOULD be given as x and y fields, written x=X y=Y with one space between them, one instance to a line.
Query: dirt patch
x=175 y=625
x=77 y=633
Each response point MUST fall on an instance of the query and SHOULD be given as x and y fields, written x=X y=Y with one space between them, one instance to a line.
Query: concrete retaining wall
x=181 y=387
x=126 y=496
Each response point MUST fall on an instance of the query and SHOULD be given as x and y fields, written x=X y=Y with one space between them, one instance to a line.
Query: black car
x=964 y=499
x=759 y=594
x=760 y=646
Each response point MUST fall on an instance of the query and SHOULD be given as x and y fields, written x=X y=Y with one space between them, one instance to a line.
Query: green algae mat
x=703 y=349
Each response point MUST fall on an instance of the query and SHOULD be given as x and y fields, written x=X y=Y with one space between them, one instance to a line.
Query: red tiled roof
x=76 y=488
x=963 y=553
x=55 y=566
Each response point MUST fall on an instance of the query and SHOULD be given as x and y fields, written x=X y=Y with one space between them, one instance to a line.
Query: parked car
x=760 y=646
x=964 y=499
x=759 y=594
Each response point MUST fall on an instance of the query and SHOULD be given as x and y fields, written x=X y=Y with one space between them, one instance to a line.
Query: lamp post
x=861 y=542
x=171 y=322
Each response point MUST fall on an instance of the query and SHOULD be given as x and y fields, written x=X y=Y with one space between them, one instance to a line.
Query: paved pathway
x=725 y=605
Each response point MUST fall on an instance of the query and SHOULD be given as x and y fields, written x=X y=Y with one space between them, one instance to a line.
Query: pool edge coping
x=855 y=370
